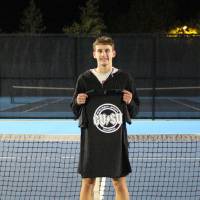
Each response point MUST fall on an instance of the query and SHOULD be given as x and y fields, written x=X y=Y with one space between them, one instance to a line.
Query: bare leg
x=87 y=188
x=121 y=189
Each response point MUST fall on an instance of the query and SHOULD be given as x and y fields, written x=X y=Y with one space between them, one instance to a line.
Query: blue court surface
x=70 y=127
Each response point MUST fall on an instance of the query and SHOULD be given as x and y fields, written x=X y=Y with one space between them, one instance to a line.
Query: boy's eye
x=106 y=50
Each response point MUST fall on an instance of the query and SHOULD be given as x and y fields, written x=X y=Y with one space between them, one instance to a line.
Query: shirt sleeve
x=79 y=88
x=133 y=106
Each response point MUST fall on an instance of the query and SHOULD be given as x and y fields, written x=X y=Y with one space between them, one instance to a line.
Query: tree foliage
x=195 y=23
x=32 y=21
x=145 y=16
x=90 y=20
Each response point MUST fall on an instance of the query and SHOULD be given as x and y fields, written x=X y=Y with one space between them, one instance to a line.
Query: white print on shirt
x=107 y=118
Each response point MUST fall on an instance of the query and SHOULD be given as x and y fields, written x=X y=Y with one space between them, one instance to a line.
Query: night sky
x=58 y=13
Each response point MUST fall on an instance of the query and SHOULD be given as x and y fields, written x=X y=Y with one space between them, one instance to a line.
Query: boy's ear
x=114 y=53
x=94 y=54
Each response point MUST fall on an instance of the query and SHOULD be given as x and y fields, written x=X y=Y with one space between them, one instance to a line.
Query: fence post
x=75 y=58
x=154 y=70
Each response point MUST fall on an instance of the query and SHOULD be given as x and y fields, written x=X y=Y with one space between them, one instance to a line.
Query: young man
x=104 y=152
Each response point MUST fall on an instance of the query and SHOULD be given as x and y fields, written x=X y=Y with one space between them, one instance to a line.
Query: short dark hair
x=104 y=40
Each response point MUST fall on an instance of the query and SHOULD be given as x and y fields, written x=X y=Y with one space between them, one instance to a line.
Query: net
x=164 y=167
x=173 y=100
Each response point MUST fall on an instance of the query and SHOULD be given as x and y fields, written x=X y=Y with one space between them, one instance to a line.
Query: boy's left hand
x=127 y=96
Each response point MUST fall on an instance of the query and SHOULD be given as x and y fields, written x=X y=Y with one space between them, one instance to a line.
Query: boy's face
x=104 y=54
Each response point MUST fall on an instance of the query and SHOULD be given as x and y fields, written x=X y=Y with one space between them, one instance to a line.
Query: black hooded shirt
x=102 y=119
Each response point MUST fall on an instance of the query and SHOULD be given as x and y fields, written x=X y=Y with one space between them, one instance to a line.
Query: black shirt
x=104 y=152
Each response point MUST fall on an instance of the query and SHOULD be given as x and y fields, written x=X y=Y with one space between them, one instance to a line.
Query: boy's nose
x=103 y=53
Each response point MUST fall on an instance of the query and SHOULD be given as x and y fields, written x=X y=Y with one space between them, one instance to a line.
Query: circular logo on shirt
x=107 y=118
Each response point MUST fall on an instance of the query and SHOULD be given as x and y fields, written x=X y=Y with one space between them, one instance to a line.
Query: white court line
x=43 y=105
x=184 y=104
x=4 y=109
x=102 y=188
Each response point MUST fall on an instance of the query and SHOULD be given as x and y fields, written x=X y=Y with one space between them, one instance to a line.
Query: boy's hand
x=127 y=96
x=81 y=98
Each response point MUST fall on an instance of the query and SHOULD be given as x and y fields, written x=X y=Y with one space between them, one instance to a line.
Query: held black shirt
x=104 y=152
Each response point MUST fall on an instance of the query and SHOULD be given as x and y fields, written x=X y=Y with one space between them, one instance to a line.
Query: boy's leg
x=87 y=188
x=121 y=189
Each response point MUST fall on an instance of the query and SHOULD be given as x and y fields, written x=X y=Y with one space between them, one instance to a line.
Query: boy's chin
x=104 y=64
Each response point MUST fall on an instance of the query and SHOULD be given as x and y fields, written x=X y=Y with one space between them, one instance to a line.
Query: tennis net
x=164 y=167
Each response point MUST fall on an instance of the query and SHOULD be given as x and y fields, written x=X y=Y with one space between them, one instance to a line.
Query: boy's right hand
x=81 y=98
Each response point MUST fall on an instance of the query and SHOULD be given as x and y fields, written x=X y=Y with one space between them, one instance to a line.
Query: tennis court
x=40 y=143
